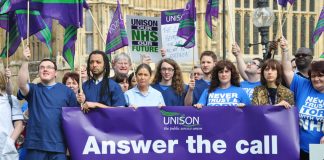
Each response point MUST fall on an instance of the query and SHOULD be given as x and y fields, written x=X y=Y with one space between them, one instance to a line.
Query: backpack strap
x=10 y=100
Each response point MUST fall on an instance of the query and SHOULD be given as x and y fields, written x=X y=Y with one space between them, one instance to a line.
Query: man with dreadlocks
x=99 y=90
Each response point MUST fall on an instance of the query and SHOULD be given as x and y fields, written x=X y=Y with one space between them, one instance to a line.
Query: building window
x=303 y=34
x=303 y=5
x=89 y=33
x=255 y=40
x=295 y=5
x=246 y=3
x=311 y=28
x=294 y=34
x=311 y=5
x=246 y=32
x=238 y=27
x=238 y=4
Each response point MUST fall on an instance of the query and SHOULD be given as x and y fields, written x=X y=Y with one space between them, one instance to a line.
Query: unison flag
x=117 y=37
x=5 y=6
x=45 y=35
x=187 y=25
x=70 y=36
x=67 y=12
x=319 y=27
x=14 y=36
x=211 y=11
x=284 y=3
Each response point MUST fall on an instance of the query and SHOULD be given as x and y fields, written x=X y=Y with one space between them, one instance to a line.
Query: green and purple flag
x=67 y=12
x=319 y=27
x=5 y=6
x=14 y=36
x=70 y=36
x=187 y=25
x=284 y=3
x=45 y=35
x=211 y=11
x=117 y=36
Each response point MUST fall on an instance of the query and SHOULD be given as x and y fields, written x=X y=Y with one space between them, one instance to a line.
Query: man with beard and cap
x=208 y=60
x=99 y=90
x=304 y=57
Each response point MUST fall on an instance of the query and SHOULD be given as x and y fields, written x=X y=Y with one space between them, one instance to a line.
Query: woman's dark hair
x=221 y=65
x=177 y=80
x=118 y=78
x=130 y=77
x=72 y=75
x=143 y=65
x=104 y=90
x=274 y=65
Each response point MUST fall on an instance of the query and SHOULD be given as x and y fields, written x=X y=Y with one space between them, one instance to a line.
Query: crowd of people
x=213 y=83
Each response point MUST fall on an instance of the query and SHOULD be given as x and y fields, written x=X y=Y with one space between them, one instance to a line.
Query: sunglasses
x=301 y=55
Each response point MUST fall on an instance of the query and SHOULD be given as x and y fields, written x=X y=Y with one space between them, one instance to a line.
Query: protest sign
x=169 y=26
x=144 y=37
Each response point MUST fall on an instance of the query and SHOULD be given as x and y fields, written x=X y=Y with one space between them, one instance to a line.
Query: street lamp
x=263 y=18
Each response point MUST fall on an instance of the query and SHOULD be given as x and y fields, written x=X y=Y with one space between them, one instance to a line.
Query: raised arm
x=286 y=65
x=23 y=73
x=236 y=50
x=189 y=95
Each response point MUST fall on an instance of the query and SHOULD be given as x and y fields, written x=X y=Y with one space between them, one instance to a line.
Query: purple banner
x=171 y=16
x=182 y=133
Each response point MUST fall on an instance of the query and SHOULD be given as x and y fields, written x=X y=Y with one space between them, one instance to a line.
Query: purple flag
x=183 y=133
x=67 y=12
x=187 y=25
x=284 y=3
x=211 y=11
x=319 y=29
x=70 y=36
x=14 y=38
x=117 y=36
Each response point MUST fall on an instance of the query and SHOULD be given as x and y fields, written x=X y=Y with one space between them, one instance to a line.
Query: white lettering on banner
x=312 y=125
x=269 y=145
x=125 y=146
x=258 y=146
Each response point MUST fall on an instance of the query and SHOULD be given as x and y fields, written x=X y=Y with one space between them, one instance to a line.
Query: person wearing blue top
x=224 y=89
x=99 y=90
x=44 y=138
x=169 y=81
x=143 y=94
x=250 y=71
x=309 y=98
x=208 y=60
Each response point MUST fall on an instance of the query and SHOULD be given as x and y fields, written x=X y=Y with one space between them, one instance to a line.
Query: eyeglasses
x=46 y=67
x=196 y=74
x=252 y=62
x=167 y=69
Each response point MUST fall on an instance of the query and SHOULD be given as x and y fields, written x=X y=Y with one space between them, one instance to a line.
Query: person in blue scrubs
x=208 y=60
x=309 y=99
x=44 y=139
x=99 y=90
x=143 y=94
x=224 y=89
x=169 y=81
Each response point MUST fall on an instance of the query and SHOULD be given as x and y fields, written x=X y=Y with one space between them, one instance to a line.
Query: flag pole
x=279 y=21
x=101 y=35
x=28 y=10
x=230 y=20
x=7 y=57
x=284 y=21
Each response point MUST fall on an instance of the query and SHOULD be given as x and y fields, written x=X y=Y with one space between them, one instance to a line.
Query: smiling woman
x=224 y=88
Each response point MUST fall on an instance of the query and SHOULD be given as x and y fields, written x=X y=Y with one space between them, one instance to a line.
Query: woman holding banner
x=169 y=81
x=143 y=94
x=224 y=88
x=272 y=91
x=309 y=98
